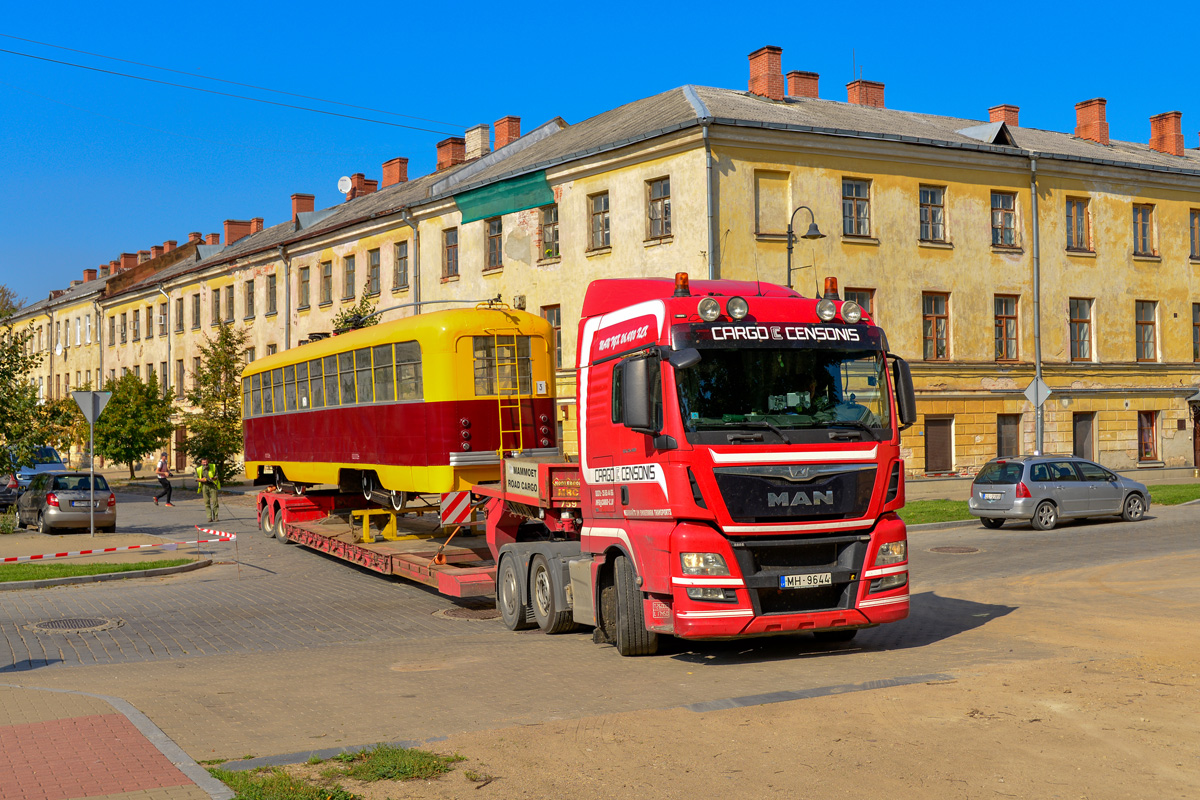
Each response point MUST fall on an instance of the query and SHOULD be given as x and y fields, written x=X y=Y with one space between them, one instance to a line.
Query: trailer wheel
x=277 y=526
x=543 y=589
x=632 y=638
x=513 y=611
x=264 y=522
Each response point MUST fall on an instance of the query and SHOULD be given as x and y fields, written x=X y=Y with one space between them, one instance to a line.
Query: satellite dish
x=344 y=184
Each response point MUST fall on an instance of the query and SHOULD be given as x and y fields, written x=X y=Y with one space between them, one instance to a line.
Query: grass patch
x=385 y=762
x=1172 y=494
x=40 y=572
x=920 y=512
x=275 y=784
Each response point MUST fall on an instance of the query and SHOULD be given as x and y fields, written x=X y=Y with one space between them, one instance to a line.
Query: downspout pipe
x=99 y=343
x=287 y=297
x=167 y=324
x=1039 y=416
x=705 y=125
x=406 y=217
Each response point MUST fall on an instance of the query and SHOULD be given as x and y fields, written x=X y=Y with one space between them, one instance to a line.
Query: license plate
x=992 y=497
x=76 y=503
x=810 y=581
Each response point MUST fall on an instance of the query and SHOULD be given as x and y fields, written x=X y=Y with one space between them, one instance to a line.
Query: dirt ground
x=1111 y=713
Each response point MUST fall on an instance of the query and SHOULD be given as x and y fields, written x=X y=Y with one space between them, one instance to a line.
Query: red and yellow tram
x=424 y=404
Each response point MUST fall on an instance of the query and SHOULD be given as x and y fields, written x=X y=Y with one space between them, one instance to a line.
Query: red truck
x=739 y=474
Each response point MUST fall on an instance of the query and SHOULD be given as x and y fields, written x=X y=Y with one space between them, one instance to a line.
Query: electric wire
x=226 y=94
x=233 y=83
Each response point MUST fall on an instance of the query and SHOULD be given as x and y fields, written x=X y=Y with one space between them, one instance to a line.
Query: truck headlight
x=891 y=553
x=711 y=594
x=703 y=564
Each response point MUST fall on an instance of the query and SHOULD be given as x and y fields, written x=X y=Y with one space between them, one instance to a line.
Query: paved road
x=292 y=651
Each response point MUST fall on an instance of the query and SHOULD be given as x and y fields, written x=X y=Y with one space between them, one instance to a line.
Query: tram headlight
x=826 y=310
x=851 y=312
x=737 y=307
x=708 y=309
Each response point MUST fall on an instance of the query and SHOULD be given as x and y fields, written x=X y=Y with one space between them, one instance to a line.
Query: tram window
x=331 y=381
x=408 y=371
x=302 y=385
x=289 y=387
x=268 y=406
x=256 y=394
x=346 y=377
x=502 y=365
x=277 y=389
x=247 y=409
x=385 y=387
x=362 y=369
x=318 y=383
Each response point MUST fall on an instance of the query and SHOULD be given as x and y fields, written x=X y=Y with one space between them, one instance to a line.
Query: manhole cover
x=468 y=613
x=74 y=625
x=954 y=551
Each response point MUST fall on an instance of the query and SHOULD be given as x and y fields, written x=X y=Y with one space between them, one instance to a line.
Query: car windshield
x=46 y=455
x=786 y=387
x=999 y=472
x=78 y=483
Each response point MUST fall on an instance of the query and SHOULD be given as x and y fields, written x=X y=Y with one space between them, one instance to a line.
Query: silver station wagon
x=1045 y=489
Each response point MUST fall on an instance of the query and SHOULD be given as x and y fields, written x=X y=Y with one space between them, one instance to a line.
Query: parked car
x=45 y=459
x=10 y=490
x=58 y=500
x=1045 y=489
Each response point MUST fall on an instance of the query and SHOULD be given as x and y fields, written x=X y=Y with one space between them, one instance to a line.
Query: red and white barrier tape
x=222 y=536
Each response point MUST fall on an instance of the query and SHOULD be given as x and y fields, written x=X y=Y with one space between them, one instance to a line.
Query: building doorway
x=939 y=444
x=1082 y=426
x=1195 y=434
x=180 y=448
x=1008 y=435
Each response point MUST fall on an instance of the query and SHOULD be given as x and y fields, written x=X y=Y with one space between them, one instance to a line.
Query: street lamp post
x=813 y=232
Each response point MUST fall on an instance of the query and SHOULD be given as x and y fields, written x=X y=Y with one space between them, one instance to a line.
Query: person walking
x=209 y=485
x=164 y=479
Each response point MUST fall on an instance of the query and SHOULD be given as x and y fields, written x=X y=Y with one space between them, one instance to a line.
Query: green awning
x=514 y=194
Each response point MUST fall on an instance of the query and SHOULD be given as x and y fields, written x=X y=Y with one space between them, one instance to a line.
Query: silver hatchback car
x=1045 y=489
x=57 y=500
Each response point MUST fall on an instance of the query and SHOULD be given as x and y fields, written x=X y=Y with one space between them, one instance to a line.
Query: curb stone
x=156 y=572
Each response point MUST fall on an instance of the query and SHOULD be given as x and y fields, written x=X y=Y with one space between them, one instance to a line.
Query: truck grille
x=796 y=492
x=763 y=561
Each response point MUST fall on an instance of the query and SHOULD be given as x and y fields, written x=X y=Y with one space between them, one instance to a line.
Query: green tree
x=360 y=315
x=215 y=428
x=61 y=424
x=19 y=431
x=136 y=421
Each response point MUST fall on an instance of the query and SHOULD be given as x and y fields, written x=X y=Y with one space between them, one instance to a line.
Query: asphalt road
x=288 y=651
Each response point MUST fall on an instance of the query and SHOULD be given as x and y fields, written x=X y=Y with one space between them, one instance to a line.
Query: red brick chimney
x=508 y=130
x=395 y=171
x=450 y=152
x=256 y=224
x=143 y=255
x=1090 y=122
x=212 y=238
x=114 y=267
x=128 y=260
x=236 y=229
x=1008 y=114
x=802 y=84
x=1166 y=133
x=766 y=72
x=195 y=237
x=169 y=245
x=865 y=93
x=359 y=186
x=156 y=251
x=301 y=204
x=89 y=275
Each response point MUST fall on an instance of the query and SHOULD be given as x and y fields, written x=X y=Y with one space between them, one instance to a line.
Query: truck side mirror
x=906 y=399
x=639 y=382
x=682 y=359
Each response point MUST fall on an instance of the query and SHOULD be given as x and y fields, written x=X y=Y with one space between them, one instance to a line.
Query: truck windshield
x=789 y=388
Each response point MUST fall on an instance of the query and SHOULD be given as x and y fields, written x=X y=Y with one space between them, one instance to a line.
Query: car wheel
x=1045 y=516
x=41 y=524
x=1134 y=509
x=991 y=522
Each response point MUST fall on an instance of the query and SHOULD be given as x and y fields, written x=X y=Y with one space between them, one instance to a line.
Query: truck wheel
x=513 y=611
x=632 y=638
x=543 y=586
x=264 y=522
x=1045 y=516
x=277 y=526
x=992 y=522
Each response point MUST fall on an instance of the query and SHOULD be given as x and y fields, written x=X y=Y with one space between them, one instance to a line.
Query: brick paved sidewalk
x=63 y=745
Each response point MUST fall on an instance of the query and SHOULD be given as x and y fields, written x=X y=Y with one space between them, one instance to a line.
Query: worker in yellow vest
x=209 y=485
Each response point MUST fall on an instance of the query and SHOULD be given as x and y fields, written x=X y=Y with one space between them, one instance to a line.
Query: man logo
x=783 y=500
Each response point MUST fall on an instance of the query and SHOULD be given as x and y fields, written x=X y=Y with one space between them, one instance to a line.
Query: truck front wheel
x=513 y=610
x=632 y=638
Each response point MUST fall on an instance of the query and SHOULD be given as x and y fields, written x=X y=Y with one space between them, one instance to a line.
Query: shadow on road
x=26 y=664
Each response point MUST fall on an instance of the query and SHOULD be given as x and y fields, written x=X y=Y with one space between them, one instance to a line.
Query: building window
x=400 y=268
x=326 y=282
x=1194 y=231
x=1195 y=331
x=1081 y=329
x=553 y=315
x=124 y=329
x=1006 y=327
x=272 y=302
x=137 y=373
x=195 y=310
x=550 y=232
x=216 y=306
x=864 y=297
x=1004 y=219
x=1143 y=234
x=304 y=292
x=373 y=272
x=933 y=214
x=1079 y=231
x=936 y=328
x=162 y=378
x=195 y=372
x=78 y=332
x=249 y=355
x=658 y=208
x=598 y=205
x=1147 y=436
x=1147 y=339
x=162 y=318
x=272 y=349
x=178 y=314
x=112 y=333
x=450 y=253
x=149 y=321
x=1008 y=435
x=87 y=325
x=229 y=303
x=495 y=243
x=856 y=208
x=137 y=326
x=179 y=378
x=348 y=278
x=249 y=299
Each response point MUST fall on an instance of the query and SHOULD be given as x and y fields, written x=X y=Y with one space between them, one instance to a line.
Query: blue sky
x=92 y=165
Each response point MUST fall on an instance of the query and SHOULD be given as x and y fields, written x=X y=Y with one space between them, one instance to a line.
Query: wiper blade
x=760 y=423
x=853 y=423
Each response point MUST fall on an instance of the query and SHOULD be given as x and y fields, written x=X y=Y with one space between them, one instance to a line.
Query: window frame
x=599 y=222
x=1001 y=337
x=1194 y=234
x=229 y=292
x=196 y=311
x=925 y=215
x=1074 y=324
x=869 y=307
x=1008 y=215
x=248 y=298
x=1147 y=430
x=400 y=266
x=326 y=286
x=304 y=283
x=1078 y=210
x=493 y=233
x=859 y=208
x=1196 y=332
x=1141 y=326
x=215 y=307
x=373 y=277
x=549 y=229
x=348 y=277
x=553 y=315
x=449 y=253
x=934 y=316
x=1145 y=236
x=662 y=204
